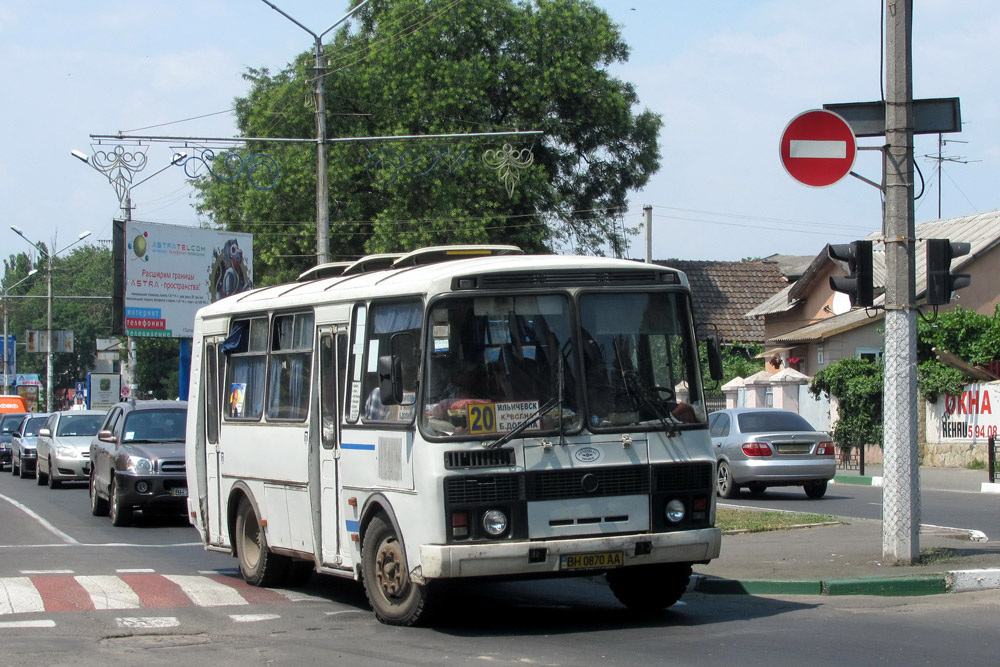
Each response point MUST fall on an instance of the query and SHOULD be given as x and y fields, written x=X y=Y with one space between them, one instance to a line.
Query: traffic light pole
x=901 y=483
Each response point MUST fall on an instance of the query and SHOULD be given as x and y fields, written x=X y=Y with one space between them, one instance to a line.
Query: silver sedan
x=762 y=447
x=64 y=446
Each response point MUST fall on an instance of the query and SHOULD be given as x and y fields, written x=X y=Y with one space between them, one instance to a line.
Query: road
x=150 y=595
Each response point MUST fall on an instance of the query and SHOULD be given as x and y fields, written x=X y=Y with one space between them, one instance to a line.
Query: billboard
x=172 y=271
x=972 y=416
x=37 y=340
x=103 y=390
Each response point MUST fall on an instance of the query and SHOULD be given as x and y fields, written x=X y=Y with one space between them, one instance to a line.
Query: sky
x=726 y=77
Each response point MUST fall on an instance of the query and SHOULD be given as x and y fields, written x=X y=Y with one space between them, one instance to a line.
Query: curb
x=958 y=581
x=858 y=480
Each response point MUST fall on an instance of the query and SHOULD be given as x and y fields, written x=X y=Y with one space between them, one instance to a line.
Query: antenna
x=941 y=158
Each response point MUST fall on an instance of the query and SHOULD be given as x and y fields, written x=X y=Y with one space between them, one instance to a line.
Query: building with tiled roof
x=723 y=293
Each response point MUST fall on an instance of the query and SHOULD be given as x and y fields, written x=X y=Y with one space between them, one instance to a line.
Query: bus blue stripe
x=355 y=445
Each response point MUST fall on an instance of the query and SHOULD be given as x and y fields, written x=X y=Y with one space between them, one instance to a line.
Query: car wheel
x=816 y=490
x=98 y=505
x=258 y=565
x=756 y=488
x=53 y=482
x=650 y=588
x=40 y=477
x=725 y=485
x=393 y=596
x=121 y=514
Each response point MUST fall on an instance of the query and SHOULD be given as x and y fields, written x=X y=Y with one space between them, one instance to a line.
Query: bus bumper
x=493 y=559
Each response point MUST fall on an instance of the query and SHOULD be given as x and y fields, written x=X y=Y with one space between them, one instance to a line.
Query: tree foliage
x=857 y=384
x=972 y=337
x=418 y=67
x=81 y=285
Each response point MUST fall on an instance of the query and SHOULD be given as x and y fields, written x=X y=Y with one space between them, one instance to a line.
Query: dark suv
x=137 y=461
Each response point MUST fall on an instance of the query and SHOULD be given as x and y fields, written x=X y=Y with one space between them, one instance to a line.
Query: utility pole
x=901 y=489
x=648 y=210
x=322 y=186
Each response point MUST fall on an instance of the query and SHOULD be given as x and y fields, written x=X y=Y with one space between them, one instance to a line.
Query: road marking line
x=39 y=623
x=109 y=592
x=41 y=521
x=253 y=618
x=135 y=570
x=206 y=592
x=139 y=622
x=27 y=572
x=19 y=596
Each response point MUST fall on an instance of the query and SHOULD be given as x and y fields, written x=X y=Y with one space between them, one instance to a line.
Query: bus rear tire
x=258 y=565
x=650 y=588
x=395 y=599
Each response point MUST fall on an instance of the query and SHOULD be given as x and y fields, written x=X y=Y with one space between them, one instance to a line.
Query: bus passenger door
x=332 y=373
x=211 y=397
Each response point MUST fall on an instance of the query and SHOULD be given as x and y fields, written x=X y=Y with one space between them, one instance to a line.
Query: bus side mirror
x=390 y=379
x=714 y=358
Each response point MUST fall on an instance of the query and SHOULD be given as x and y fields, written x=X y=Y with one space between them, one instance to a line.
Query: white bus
x=460 y=412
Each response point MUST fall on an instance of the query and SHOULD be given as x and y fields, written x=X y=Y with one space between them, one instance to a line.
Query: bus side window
x=388 y=319
x=211 y=387
x=329 y=382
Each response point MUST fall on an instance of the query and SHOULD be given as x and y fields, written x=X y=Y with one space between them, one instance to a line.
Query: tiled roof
x=723 y=292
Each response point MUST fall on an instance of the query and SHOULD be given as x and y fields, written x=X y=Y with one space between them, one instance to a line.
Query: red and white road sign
x=818 y=148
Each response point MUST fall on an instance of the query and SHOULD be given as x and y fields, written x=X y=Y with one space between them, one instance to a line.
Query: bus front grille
x=588 y=482
x=683 y=477
x=483 y=489
x=479 y=458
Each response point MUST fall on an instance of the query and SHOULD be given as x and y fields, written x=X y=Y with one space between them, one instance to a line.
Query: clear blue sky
x=727 y=76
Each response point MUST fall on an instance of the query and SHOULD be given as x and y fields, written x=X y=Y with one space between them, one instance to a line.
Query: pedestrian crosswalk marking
x=39 y=593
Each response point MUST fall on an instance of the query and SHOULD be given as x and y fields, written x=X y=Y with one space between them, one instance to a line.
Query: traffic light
x=940 y=280
x=858 y=283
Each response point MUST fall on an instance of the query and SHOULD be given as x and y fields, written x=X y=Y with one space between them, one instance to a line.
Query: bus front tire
x=650 y=588
x=258 y=565
x=395 y=599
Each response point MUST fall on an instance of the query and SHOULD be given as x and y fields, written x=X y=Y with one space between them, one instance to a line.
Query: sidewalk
x=847 y=559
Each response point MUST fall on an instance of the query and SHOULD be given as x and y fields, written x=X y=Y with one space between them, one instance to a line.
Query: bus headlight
x=495 y=522
x=675 y=511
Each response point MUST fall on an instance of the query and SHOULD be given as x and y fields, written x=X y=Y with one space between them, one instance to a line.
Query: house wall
x=981 y=295
x=845 y=345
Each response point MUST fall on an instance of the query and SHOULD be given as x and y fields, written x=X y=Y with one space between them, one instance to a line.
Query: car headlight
x=65 y=452
x=138 y=464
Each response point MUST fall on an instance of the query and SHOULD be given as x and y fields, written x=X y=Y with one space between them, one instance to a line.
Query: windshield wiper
x=517 y=430
x=650 y=398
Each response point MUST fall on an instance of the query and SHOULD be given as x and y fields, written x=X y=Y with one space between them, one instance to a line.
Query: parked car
x=137 y=461
x=63 y=447
x=8 y=424
x=23 y=444
x=762 y=447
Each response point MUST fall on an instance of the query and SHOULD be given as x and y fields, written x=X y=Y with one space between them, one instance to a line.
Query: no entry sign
x=818 y=148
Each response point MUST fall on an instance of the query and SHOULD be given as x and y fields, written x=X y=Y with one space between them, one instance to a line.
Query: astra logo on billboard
x=970 y=402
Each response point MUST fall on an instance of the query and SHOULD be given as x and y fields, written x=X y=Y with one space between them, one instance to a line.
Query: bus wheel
x=650 y=588
x=258 y=565
x=394 y=598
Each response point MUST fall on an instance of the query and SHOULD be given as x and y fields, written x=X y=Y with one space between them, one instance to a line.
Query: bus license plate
x=595 y=561
x=179 y=492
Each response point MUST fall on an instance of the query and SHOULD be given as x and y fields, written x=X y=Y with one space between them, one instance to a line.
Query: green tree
x=416 y=67
x=738 y=360
x=81 y=285
x=857 y=384
x=972 y=337
x=158 y=370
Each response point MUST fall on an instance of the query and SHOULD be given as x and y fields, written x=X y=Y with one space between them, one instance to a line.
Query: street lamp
x=48 y=256
x=6 y=291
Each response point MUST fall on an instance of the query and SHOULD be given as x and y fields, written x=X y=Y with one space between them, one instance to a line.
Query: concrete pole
x=322 y=187
x=49 y=397
x=901 y=486
x=648 y=210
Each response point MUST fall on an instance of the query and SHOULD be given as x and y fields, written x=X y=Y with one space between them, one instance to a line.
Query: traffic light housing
x=940 y=280
x=858 y=283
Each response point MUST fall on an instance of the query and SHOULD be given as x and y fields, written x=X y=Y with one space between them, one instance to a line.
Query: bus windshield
x=494 y=361
x=637 y=352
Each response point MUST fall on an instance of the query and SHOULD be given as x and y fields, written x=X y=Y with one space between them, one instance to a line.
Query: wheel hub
x=388 y=568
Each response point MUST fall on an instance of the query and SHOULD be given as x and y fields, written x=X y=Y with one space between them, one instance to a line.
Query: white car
x=64 y=446
x=23 y=444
